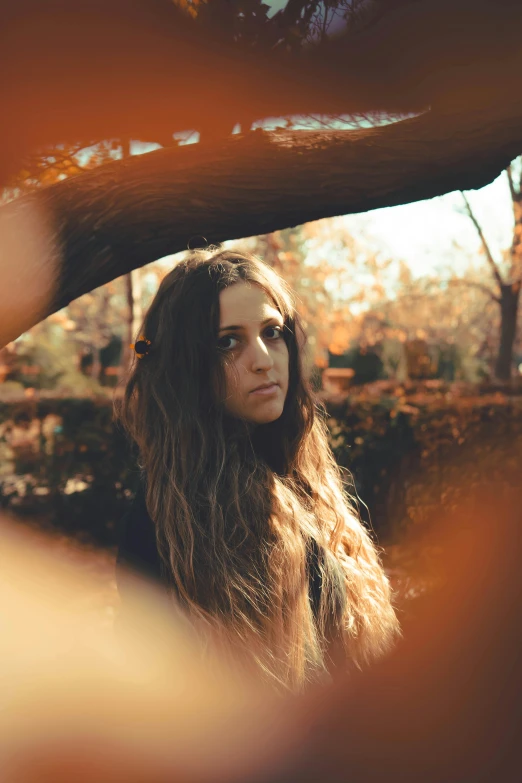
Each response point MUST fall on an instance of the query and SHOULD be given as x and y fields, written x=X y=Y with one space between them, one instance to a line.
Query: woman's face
x=251 y=333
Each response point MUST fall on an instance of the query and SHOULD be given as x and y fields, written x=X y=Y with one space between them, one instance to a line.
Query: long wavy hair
x=237 y=511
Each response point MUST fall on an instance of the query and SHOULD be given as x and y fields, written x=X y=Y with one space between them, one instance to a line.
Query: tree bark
x=131 y=212
x=509 y=297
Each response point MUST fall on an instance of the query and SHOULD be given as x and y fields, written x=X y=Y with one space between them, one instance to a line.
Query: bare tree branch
x=475 y=284
x=512 y=190
x=491 y=260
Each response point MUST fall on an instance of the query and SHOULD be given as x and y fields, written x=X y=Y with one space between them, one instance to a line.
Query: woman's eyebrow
x=267 y=320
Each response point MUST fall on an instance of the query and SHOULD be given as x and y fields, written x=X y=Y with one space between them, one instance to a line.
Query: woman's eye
x=277 y=329
x=226 y=337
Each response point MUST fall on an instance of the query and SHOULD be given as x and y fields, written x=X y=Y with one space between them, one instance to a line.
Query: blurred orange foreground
x=80 y=704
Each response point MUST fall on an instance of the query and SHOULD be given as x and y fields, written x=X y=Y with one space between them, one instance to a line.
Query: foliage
x=45 y=359
x=54 y=164
x=64 y=457
x=354 y=299
x=303 y=256
x=414 y=447
x=411 y=448
x=250 y=24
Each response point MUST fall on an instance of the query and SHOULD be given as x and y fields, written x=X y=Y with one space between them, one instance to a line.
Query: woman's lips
x=267 y=390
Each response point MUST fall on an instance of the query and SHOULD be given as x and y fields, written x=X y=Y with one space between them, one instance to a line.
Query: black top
x=137 y=550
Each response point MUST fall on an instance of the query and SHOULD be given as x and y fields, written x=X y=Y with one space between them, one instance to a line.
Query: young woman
x=243 y=515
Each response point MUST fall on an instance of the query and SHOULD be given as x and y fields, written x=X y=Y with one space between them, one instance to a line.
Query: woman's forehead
x=243 y=303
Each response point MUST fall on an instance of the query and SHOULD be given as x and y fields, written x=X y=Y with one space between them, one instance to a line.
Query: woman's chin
x=265 y=417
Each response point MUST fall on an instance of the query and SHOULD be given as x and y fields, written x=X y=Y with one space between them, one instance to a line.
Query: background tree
x=332 y=273
x=507 y=274
x=457 y=330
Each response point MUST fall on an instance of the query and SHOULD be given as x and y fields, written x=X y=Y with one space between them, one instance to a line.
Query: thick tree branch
x=491 y=261
x=128 y=213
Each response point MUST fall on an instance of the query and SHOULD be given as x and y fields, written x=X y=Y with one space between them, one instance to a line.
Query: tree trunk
x=509 y=297
x=100 y=337
x=127 y=352
x=126 y=356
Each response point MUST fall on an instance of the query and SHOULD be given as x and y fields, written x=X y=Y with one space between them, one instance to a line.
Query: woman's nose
x=261 y=355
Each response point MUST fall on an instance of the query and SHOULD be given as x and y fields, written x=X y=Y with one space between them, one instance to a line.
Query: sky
x=423 y=233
